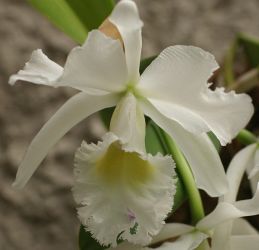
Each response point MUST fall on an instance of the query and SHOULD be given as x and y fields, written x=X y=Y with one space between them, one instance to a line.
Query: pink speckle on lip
x=131 y=215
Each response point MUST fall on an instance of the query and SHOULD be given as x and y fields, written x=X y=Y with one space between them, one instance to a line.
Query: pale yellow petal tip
x=110 y=30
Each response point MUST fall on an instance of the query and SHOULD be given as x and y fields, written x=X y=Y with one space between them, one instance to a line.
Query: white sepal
x=97 y=67
x=39 y=70
x=188 y=241
x=72 y=112
x=171 y=230
x=226 y=211
x=126 y=18
x=247 y=242
x=241 y=162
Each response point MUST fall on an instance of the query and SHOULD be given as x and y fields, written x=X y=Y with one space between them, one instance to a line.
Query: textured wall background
x=42 y=216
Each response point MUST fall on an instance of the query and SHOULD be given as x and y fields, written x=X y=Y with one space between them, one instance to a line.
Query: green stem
x=186 y=175
x=246 y=82
x=202 y=246
x=180 y=195
x=246 y=137
x=228 y=64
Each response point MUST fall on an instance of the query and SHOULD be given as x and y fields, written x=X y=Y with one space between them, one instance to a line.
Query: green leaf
x=91 y=12
x=251 y=51
x=228 y=67
x=60 y=14
x=106 y=115
x=214 y=140
x=251 y=48
x=156 y=144
x=87 y=242
x=75 y=17
x=145 y=62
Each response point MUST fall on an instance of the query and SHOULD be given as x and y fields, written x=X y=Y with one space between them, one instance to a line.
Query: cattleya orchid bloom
x=120 y=188
x=224 y=225
x=253 y=165
x=173 y=91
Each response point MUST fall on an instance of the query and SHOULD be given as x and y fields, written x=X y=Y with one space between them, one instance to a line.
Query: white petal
x=118 y=190
x=176 y=84
x=98 y=66
x=253 y=171
x=185 y=242
x=201 y=154
x=254 y=182
x=242 y=161
x=226 y=212
x=237 y=242
x=72 y=112
x=171 y=230
x=40 y=70
x=221 y=236
x=128 y=123
x=222 y=233
x=248 y=242
x=243 y=227
x=126 y=18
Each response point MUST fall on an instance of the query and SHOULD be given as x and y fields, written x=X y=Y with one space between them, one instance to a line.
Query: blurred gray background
x=42 y=215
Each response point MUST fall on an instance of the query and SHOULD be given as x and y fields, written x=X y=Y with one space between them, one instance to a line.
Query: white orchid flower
x=253 y=165
x=224 y=225
x=230 y=232
x=173 y=91
x=188 y=240
x=120 y=188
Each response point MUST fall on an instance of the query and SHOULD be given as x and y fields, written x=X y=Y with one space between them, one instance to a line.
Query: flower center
x=120 y=167
x=131 y=87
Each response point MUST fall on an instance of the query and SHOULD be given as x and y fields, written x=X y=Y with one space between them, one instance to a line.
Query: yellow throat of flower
x=120 y=167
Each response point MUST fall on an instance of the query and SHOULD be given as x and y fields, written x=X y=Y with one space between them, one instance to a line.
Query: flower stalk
x=246 y=137
x=196 y=206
